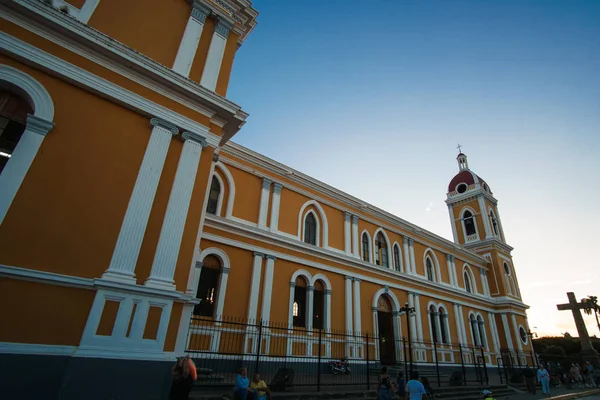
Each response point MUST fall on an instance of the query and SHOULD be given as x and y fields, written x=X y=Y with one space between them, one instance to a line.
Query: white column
x=348 y=280
x=516 y=330
x=447 y=328
x=509 y=342
x=452 y=222
x=449 y=265
x=458 y=324
x=268 y=289
x=347 y=233
x=18 y=164
x=191 y=38
x=407 y=267
x=486 y=218
x=475 y=332
x=310 y=294
x=492 y=322
x=418 y=314
x=454 y=271
x=438 y=328
x=274 y=226
x=171 y=233
x=413 y=264
x=462 y=324
x=129 y=242
x=264 y=203
x=255 y=287
x=357 y=320
x=215 y=55
x=355 y=240
x=484 y=282
x=413 y=323
x=291 y=310
x=327 y=316
x=221 y=293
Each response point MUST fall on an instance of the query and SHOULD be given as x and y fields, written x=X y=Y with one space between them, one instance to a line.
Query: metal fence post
x=367 y=364
x=259 y=345
x=319 y=360
x=405 y=359
x=476 y=366
x=462 y=364
x=437 y=365
x=485 y=372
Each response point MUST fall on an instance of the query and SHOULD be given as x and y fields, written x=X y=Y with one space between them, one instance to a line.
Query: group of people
x=586 y=376
x=414 y=389
x=185 y=374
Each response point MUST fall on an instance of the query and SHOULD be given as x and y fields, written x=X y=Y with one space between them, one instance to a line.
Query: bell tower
x=476 y=225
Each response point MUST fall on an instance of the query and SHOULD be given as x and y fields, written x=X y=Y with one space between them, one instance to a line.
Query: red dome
x=467 y=177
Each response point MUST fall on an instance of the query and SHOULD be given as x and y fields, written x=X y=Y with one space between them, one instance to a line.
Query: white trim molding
x=37 y=127
x=388 y=247
x=321 y=217
x=230 y=185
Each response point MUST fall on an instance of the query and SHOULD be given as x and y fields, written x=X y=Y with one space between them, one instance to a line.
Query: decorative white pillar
x=310 y=294
x=347 y=233
x=458 y=324
x=191 y=39
x=222 y=292
x=484 y=282
x=268 y=289
x=171 y=233
x=454 y=271
x=18 y=164
x=129 y=242
x=462 y=324
x=348 y=281
x=275 y=204
x=418 y=314
x=486 y=218
x=215 y=55
x=438 y=327
x=255 y=287
x=264 y=203
x=408 y=268
x=355 y=239
x=413 y=324
x=509 y=342
x=357 y=318
x=291 y=311
x=398 y=334
x=413 y=264
x=327 y=316
x=516 y=330
x=494 y=330
x=449 y=258
x=452 y=222
x=447 y=329
x=475 y=332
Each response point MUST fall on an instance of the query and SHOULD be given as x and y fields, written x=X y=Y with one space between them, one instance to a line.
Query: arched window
x=310 y=229
x=13 y=118
x=468 y=287
x=318 y=304
x=494 y=223
x=381 y=251
x=397 y=259
x=208 y=286
x=474 y=330
x=365 y=246
x=443 y=325
x=481 y=330
x=300 y=302
x=433 y=321
x=469 y=221
x=213 y=197
x=429 y=269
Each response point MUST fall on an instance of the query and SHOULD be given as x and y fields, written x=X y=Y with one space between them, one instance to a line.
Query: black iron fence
x=296 y=358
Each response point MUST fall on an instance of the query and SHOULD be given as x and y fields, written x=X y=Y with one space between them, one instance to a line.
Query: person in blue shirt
x=414 y=387
x=543 y=376
x=401 y=385
x=242 y=390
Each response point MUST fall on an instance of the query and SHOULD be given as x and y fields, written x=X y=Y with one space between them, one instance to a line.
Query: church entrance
x=385 y=320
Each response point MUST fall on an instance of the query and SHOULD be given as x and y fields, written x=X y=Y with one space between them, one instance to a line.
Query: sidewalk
x=560 y=393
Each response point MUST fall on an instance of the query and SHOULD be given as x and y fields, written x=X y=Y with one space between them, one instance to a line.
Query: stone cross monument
x=586 y=344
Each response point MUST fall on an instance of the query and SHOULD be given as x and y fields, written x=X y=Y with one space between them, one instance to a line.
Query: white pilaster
x=438 y=328
x=255 y=287
x=452 y=223
x=191 y=38
x=357 y=317
x=494 y=330
x=413 y=264
x=413 y=323
x=274 y=226
x=507 y=334
x=264 y=203
x=291 y=312
x=348 y=280
x=129 y=242
x=310 y=294
x=407 y=256
x=486 y=218
x=215 y=55
x=449 y=265
x=419 y=319
x=500 y=225
x=462 y=324
x=475 y=332
x=21 y=159
x=355 y=239
x=268 y=289
x=458 y=324
x=454 y=271
x=484 y=282
x=222 y=292
x=171 y=233
x=347 y=233
x=327 y=316
x=516 y=331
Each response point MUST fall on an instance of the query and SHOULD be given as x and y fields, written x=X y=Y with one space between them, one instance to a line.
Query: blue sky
x=373 y=97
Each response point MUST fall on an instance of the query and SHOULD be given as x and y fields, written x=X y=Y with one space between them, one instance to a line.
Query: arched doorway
x=385 y=321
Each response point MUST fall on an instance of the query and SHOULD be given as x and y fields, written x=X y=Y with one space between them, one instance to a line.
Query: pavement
x=560 y=393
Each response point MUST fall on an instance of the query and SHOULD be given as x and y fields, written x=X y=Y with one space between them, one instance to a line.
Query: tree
x=591 y=304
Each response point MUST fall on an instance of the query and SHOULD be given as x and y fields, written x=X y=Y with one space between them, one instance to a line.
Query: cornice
x=489 y=244
x=454 y=197
x=398 y=225
x=64 y=27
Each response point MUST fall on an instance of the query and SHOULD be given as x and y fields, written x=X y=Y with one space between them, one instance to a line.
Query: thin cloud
x=429 y=206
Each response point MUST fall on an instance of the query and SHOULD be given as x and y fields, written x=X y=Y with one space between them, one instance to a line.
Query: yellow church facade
x=126 y=212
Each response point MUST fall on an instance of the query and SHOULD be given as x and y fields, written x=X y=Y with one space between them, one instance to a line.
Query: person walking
x=385 y=388
x=544 y=378
x=184 y=374
x=414 y=387
x=529 y=375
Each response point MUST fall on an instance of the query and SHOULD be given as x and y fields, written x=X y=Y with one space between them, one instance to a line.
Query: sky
x=373 y=98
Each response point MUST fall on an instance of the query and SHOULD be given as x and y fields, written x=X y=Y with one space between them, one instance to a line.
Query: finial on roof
x=458 y=147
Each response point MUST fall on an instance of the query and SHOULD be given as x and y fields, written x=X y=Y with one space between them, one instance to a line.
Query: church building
x=127 y=212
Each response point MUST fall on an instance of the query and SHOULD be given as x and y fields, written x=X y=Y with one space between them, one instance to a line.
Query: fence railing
x=296 y=358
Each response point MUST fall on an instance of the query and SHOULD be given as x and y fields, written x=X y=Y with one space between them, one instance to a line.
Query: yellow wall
x=202 y=51
x=227 y=63
x=247 y=190
x=157 y=30
x=46 y=314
